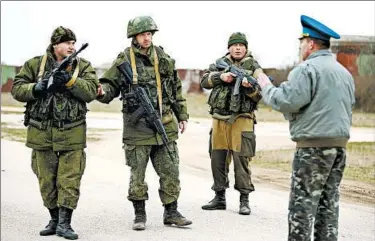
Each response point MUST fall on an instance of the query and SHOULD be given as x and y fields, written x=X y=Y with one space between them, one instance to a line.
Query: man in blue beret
x=317 y=100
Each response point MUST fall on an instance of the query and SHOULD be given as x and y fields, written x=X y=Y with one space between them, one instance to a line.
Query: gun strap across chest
x=43 y=65
x=157 y=74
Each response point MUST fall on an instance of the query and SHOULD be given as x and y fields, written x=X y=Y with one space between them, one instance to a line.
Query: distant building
x=356 y=53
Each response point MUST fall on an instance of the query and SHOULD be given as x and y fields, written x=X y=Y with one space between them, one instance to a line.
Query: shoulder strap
x=41 y=67
x=158 y=81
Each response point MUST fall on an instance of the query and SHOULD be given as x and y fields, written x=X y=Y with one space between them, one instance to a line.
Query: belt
x=61 y=125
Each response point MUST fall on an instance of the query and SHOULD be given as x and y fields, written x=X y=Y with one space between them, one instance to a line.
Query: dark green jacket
x=56 y=121
x=113 y=85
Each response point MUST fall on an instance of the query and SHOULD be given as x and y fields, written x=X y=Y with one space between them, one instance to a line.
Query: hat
x=237 y=38
x=62 y=34
x=314 y=29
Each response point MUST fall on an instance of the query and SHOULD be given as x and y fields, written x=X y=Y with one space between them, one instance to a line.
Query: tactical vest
x=157 y=80
x=59 y=109
x=223 y=102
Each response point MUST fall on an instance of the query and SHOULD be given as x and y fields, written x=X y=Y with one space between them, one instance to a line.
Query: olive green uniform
x=141 y=142
x=56 y=129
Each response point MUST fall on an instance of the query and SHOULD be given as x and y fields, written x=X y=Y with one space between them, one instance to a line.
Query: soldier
x=317 y=100
x=233 y=123
x=56 y=121
x=153 y=70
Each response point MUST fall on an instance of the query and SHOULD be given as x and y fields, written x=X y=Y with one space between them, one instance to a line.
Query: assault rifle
x=146 y=108
x=240 y=74
x=63 y=65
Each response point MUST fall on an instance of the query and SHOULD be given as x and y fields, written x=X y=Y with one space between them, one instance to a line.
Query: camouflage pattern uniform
x=317 y=100
x=233 y=127
x=141 y=142
x=56 y=126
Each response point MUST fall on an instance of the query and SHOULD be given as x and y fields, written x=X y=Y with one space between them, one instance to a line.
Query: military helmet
x=140 y=25
x=62 y=34
x=237 y=38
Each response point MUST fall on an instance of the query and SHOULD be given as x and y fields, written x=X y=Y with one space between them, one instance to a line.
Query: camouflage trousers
x=167 y=169
x=314 y=196
x=59 y=175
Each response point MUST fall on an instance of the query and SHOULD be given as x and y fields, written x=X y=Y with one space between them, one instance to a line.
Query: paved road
x=104 y=213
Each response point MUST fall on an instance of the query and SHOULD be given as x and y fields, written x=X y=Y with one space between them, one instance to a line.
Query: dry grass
x=360 y=161
x=197 y=107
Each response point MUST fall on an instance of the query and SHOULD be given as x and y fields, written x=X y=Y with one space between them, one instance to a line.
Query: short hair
x=322 y=44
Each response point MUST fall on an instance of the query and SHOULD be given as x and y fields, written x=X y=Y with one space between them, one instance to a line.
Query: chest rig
x=146 y=80
x=55 y=109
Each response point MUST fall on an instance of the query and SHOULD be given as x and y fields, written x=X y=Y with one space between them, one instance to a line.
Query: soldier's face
x=144 y=39
x=237 y=51
x=305 y=48
x=64 y=49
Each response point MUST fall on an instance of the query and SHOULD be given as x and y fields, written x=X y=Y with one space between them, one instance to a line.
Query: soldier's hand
x=61 y=78
x=40 y=88
x=246 y=83
x=101 y=91
x=227 y=77
x=182 y=126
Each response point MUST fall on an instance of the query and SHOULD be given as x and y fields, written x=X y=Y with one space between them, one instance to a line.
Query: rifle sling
x=157 y=74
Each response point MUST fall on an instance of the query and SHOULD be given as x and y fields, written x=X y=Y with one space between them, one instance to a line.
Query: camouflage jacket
x=221 y=100
x=57 y=120
x=174 y=107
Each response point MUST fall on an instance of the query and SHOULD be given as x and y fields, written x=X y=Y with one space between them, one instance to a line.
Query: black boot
x=50 y=229
x=244 y=205
x=140 y=215
x=63 y=228
x=172 y=216
x=218 y=203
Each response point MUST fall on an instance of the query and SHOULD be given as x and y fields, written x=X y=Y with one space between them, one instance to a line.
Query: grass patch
x=360 y=164
x=198 y=107
x=19 y=134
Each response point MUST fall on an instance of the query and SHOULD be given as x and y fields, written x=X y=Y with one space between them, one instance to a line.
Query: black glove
x=40 y=89
x=61 y=78
x=59 y=81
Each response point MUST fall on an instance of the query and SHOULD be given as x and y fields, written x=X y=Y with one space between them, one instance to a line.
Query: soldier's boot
x=50 y=229
x=140 y=215
x=63 y=228
x=172 y=216
x=244 y=205
x=218 y=203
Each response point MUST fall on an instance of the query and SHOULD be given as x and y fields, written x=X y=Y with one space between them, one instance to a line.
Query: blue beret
x=314 y=29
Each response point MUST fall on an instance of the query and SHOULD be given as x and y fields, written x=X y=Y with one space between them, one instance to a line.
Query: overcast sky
x=193 y=33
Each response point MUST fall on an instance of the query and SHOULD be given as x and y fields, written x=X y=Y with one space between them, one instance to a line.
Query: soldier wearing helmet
x=232 y=135
x=56 y=121
x=154 y=70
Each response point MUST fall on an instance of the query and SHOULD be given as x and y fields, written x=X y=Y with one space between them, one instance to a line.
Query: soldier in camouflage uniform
x=317 y=100
x=56 y=126
x=233 y=123
x=153 y=70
